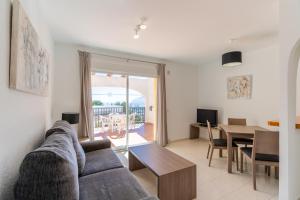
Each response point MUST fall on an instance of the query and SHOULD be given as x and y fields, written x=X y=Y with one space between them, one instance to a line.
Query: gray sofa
x=64 y=169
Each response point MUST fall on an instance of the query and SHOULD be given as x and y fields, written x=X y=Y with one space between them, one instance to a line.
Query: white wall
x=66 y=81
x=181 y=81
x=289 y=173
x=298 y=91
x=23 y=117
x=151 y=101
x=263 y=65
x=182 y=87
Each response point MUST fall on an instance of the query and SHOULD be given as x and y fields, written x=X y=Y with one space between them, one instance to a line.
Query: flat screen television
x=204 y=115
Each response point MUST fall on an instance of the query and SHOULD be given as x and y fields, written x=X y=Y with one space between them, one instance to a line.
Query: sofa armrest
x=95 y=145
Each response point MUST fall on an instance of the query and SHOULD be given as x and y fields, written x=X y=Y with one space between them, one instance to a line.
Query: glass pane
x=109 y=106
x=142 y=101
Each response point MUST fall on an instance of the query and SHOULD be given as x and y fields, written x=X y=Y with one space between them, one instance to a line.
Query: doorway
x=124 y=108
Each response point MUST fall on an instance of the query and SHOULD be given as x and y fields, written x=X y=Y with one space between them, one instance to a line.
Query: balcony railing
x=106 y=110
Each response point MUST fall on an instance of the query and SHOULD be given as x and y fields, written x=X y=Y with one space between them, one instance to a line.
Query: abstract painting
x=239 y=87
x=29 y=65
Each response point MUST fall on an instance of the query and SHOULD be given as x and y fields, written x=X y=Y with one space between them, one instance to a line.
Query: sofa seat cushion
x=100 y=160
x=115 y=184
x=150 y=198
x=49 y=172
x=62 y=126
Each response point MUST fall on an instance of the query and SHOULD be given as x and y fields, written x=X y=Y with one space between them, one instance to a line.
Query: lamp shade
x=232 y=59
x=71 y=117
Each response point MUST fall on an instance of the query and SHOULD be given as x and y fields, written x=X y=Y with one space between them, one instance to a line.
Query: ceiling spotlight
x=143 y=26
x=136 y=34
x=232 y=41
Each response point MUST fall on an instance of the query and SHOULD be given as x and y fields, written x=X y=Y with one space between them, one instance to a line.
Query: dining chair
x=240 y=122
x=105 y=122
x=132 y=121
x=265 y=151
x=219 y=144
x=120 y=122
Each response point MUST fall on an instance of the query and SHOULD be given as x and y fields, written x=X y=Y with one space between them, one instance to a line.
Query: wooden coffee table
x=176 y=175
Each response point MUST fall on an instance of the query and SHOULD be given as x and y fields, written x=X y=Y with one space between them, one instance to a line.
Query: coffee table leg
x=229 y=149
x=179 y=185
x=134 y=163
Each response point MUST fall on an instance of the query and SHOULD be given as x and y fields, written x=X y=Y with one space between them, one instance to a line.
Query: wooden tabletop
x=158 y=159
x=241 y=129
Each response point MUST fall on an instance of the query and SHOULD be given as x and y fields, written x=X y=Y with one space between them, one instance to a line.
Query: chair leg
x=211 y=154
x=237 y=158
x=208 y=151
x=242 y=161
x=254 y=175
x=266 y=169
x=220 y=153
x=269 y=170
x=276 y=172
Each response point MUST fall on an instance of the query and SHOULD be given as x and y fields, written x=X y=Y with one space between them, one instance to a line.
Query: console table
x=195 y=131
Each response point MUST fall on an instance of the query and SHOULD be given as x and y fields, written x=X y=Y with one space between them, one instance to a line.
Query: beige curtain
x=86 y=124
x=162 y=130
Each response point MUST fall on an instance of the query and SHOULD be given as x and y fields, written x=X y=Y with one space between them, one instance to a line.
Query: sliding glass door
x=124 y=109
x=109 y=94
x=142 y=106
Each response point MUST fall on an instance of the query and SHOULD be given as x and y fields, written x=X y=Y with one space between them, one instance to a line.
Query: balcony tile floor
x=139 y=134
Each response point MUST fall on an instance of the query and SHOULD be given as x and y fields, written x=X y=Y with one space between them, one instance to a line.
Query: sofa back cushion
x=49 y=172
x=64 y=126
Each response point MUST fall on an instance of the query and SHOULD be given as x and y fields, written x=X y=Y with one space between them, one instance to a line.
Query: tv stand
x=202 y=125
x=195 y=130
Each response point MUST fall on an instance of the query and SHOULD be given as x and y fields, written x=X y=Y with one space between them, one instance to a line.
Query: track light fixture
x=139 y=27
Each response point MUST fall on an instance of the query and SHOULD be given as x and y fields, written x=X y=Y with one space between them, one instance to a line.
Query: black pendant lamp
x=232 y=59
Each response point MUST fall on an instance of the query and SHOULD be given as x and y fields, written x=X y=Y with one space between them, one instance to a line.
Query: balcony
x=106 y=111
x=110 y=123
x=111 y=93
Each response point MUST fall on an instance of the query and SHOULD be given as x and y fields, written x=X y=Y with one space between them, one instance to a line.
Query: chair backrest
x=210 y=135
x=104 y=119
x=132 y=118
x=237 y=121
x=266 y=142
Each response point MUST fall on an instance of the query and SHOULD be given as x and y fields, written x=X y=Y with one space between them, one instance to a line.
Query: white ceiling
x=188 y=31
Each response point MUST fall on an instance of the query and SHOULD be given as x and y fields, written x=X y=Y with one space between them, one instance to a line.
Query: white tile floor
x=214 y=183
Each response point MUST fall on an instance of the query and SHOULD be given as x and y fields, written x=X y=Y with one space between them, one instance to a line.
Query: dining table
x=237 y=131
